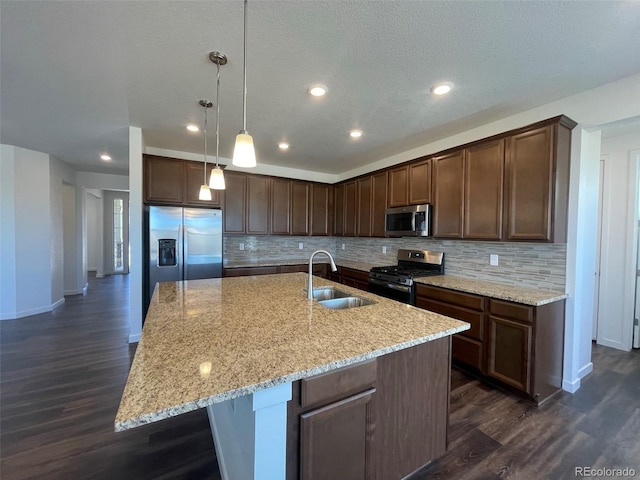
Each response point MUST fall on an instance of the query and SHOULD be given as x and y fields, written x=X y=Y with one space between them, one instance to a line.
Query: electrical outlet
x=242 y=246
x=493 y=260
x=384 y=249
x=300 y=245
x=343 y=246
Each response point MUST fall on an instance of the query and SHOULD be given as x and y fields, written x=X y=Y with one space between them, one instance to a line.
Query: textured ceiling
x=75 y=75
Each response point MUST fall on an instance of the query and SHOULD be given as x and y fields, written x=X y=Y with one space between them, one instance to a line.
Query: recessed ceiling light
x=441 y=88
x=193 y=128
x=317 y=90
x=105 y=157
x=283 y=146
x=355 y=133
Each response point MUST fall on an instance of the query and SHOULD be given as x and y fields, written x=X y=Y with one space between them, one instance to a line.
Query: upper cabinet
x=350 y=205
x=280 y=206
x=448 y=190
x=300 y=208
x=258 y=193
x=338 y=212
x=234 y=202
x=378 y=203
x=398 y=193
x=363 y=207
x=170 y=181
x=483 y=191
x=321 y=209
x=420 y=182
x=537 y=183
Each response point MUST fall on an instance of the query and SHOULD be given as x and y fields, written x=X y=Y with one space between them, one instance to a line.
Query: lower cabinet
x=515 y=346
x=380 y=419
x=354 y=278
x=319 y=269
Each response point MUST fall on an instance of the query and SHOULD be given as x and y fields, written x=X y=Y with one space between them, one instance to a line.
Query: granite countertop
x=207 y=341
x=512 y=293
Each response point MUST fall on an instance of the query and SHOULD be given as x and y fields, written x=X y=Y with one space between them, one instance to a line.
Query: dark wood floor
x=62 y=375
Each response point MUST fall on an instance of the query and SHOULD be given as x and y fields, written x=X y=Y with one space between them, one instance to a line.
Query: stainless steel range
x=396 y=281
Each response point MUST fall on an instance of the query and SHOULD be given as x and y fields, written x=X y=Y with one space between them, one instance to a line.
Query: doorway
x=116 y=232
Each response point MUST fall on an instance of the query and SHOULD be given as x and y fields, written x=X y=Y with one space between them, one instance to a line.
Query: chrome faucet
x=310 y=282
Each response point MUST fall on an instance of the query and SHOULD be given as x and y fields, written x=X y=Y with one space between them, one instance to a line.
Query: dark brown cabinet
x=468 y=346
x=234 y=202
x=321 y=209
x=319 y=269
x=420 y=182
x=363 y=207
x=280 y=206
x=537 y=183
x=338 y=210
x=379 y=203
x=515 y=346
x=350 y=208
x=354 y=278
x=398 y=186
x=448 y=191
x=483 y=191
x=258 y=192
x=171 y=181
x=300 y=208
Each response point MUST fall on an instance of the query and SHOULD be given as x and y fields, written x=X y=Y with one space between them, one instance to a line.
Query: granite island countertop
x=501 y=291
x=207 y=341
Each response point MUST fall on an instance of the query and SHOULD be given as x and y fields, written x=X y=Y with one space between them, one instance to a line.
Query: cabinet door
x=335 y=441
x=379 y=203
x=420 y=182
x=399 y=187
x=321 y=209
x=483 y=186
x=350 y=201
x=234 y=202
x=280 y=206
x=195 y=178
x=164 y=180
x=300 y=208
x=509 y=355
x=257 y=205
x=529 y=185
x=338 y=210
x=448 y=179
x=363 y=210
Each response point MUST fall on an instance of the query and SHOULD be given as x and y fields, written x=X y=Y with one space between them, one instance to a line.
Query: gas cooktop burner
x=411 y=264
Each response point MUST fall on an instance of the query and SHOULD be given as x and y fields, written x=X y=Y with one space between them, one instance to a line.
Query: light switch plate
x=343 y=246
x=300 y=245
x=384 y=249
x=493 y=260
x=242 y=246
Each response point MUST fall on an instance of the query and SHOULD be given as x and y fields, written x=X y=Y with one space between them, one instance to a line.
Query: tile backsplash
x=532 y=265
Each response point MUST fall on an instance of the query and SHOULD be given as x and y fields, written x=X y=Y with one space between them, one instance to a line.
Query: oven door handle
x=392 y=286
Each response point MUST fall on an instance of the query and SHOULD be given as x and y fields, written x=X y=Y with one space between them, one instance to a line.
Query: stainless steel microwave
x=411 y=221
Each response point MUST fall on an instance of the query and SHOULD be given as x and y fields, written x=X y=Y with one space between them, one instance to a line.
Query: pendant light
x=205 y=192
x=244 y=155
x=216 y=181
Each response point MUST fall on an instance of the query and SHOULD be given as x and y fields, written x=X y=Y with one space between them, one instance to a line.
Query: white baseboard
x=57 y=304
x=571 y=386
x=99 y=275
x=26 y=313
x=74 y=292
x=135 y=338
x=586 y=370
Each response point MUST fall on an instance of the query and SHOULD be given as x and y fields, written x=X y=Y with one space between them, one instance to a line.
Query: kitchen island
x=243 y=347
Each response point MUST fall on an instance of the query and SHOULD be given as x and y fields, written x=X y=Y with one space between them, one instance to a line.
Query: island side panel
x=411 y=406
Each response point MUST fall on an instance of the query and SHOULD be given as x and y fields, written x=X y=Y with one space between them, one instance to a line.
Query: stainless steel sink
x=328 y=293
x=346 y=302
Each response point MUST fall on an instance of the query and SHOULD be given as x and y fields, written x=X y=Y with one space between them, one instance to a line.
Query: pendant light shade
x=205 y=193
x=216 y=180
x=244 y=155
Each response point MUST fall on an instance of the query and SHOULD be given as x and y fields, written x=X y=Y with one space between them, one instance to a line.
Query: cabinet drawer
x=515 y=311
x=337 y=384
x=476 y=319
x=355 y=274
x=467 y=351
x=448 y=296
x=294 y=268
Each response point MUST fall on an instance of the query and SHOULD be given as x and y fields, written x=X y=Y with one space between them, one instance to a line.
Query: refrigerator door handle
x=182 y=240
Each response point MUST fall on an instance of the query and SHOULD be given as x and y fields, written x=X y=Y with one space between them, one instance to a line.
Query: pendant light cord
x=244 y=96
x=205 y=144
x=217 y=114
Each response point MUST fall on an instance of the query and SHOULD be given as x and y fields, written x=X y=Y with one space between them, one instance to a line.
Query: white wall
x=32 y=232
x=94 y=231
x=59 y=174
x=136 y=147
x=71 y=284
x=618 y=250
x=7 y=233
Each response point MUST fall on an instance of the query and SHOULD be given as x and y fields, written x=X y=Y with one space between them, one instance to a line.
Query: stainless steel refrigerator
x=183 y=244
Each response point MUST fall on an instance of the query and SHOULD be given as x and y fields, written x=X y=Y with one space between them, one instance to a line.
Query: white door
x=116 y=232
